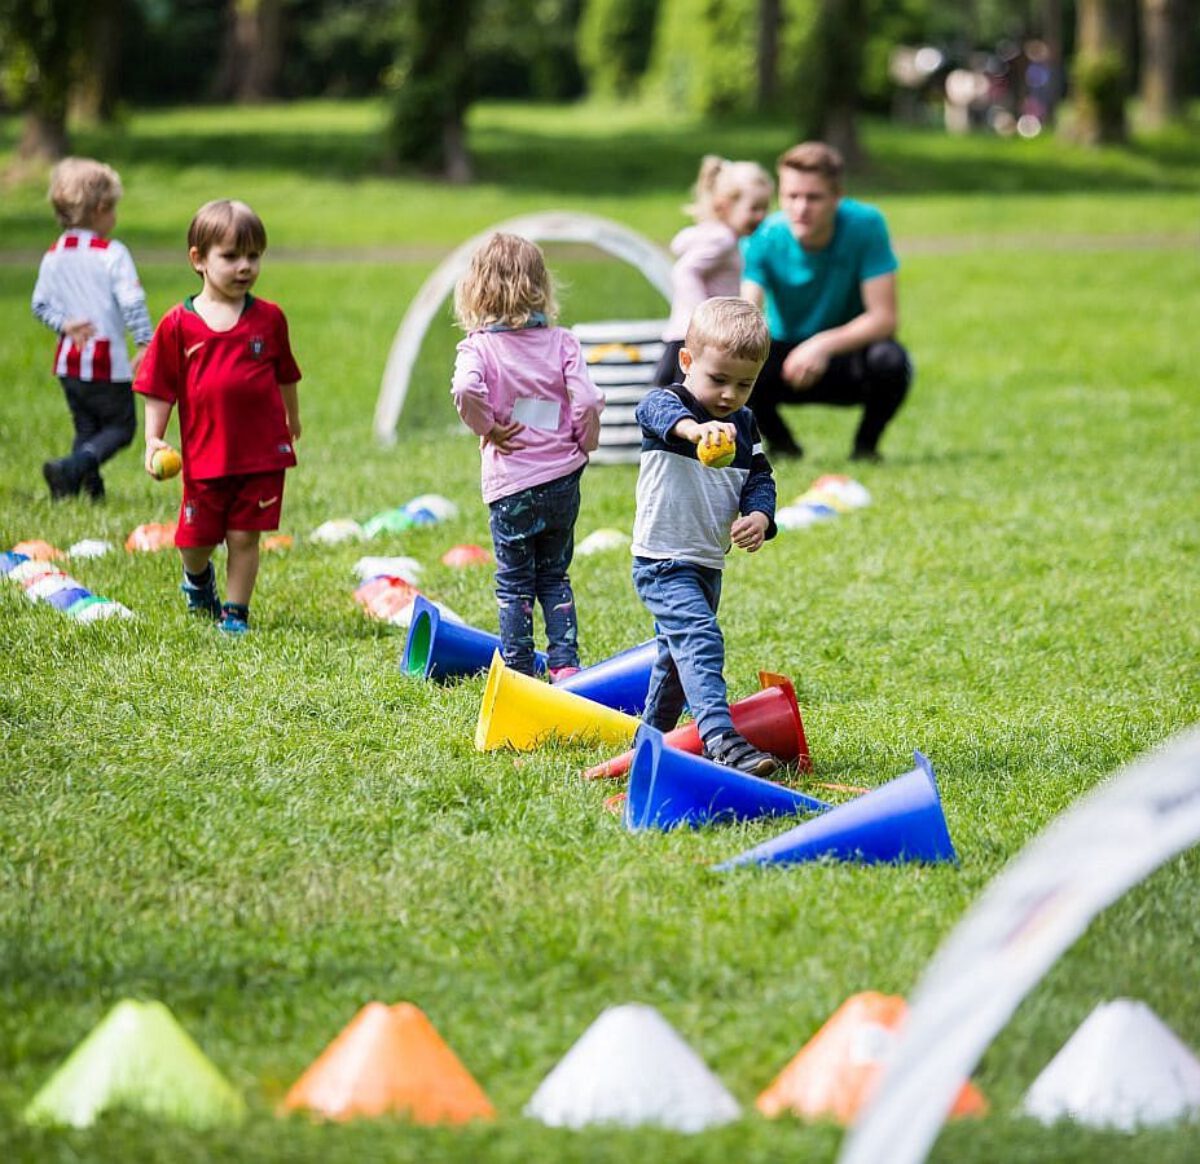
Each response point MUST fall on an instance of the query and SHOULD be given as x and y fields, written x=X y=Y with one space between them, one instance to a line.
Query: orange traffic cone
x=390 y=1060
x=769 y=719
x=834 y=1072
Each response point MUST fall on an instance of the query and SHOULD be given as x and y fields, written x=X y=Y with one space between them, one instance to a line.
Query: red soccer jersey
x=226 y=384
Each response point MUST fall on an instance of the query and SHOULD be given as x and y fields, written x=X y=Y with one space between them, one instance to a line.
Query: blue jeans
x=683 y=599
x=533 y=535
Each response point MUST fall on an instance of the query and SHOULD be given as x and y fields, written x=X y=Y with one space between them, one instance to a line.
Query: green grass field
x=267 y=834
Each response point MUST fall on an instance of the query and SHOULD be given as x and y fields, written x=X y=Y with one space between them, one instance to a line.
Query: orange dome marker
x=390 y=1060
x=39 y=550
x=832 y=1075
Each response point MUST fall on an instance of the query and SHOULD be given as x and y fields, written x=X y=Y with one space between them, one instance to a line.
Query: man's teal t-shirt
x=812 y=291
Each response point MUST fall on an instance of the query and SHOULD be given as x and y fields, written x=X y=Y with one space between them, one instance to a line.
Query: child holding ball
x=730 y=199
x=224 y=357
x=520 y=383
x=688 y=514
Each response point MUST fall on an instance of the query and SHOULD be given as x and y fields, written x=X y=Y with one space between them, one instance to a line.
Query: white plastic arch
x=1087 y=858
x=551 y=226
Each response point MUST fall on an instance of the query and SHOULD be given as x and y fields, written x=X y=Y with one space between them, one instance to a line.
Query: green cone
x=141 y=1059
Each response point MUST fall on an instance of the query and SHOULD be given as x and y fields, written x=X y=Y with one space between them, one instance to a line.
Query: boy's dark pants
x=105 y=422
x=533 y=535
x=876 y=377
x=683 y=598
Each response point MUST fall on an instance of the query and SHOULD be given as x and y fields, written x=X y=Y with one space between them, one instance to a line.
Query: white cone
x=1123 y=1068
x=630 y=1067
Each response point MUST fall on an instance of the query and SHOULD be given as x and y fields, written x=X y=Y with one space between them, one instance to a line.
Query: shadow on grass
x=556 y=157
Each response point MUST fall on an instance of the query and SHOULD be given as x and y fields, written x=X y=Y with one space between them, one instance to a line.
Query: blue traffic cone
x=620 y=682
x=668 y=788
x=901 y=821
x=440 y=648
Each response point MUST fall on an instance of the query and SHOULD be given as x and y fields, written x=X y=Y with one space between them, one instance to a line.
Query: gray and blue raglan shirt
x=684 y=508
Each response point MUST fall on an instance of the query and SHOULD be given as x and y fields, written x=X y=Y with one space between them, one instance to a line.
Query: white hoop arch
x=551 y=226
x=1087 y=858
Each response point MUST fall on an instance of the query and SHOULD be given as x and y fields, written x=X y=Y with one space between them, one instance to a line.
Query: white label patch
x=541 y=414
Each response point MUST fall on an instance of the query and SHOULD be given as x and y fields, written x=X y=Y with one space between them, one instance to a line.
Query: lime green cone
x=138 y=1058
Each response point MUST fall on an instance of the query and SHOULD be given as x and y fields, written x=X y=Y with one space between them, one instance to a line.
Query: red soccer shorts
x=252 y=501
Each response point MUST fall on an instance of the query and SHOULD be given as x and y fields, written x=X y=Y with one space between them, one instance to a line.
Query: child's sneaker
x=235 y=619
x=202 y=597
x=735 y=751
x=62 y=478
x=558 y=674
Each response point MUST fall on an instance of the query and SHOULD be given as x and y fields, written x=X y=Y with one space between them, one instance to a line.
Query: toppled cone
x=832 y=1076
x=390 y=1060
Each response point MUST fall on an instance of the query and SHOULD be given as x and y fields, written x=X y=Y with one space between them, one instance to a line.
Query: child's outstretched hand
x=710 y=431
x=501 y=435
x=748 y=531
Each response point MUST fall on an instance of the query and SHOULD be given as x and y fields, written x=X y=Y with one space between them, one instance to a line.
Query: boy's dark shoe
x=201 y=593
x=63 y=477
x=862 y=453
x=235 y=619
x=735 y=751
x=93 y=485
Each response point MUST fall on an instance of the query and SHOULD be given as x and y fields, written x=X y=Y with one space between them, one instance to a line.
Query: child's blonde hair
x=506 y=284
x=719 y=183
x=81 y=186
x=731 y=325
x=216 y=221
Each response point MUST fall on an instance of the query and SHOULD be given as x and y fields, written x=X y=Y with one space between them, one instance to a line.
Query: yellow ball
x=718 y=453
x=165 y=463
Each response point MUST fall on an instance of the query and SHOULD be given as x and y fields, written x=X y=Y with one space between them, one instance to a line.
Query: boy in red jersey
x=89 y=293
x=223 y=356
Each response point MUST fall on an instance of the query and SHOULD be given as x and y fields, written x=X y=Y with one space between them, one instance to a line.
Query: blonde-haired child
x=88 y=292
x=729 y=200
x=225 y=358
x=521 y=384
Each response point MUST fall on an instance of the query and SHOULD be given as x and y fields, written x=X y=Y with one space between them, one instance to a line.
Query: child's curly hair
x=506 y=284
x=81 y=186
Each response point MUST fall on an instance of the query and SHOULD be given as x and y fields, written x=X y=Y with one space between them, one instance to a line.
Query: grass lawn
x=266 y=834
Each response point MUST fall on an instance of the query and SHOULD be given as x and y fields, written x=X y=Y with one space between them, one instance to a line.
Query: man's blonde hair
x=505 y=285
x=731 y=325
x=223 y=218
x=81 y=186
x=815 y=157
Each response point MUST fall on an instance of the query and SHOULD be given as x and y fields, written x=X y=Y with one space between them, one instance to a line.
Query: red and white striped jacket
x=84 y=276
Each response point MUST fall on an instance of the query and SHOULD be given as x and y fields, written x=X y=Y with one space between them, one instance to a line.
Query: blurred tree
x=828 y=100
x=432 y=89
x=39 y=50
x=1165 y=36
x=252 y=51
x=1101 y=82
x=97 y=92
x=615 y=42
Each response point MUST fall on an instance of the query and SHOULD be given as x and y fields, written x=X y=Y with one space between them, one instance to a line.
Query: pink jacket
x=709 y=263
x=536 y=376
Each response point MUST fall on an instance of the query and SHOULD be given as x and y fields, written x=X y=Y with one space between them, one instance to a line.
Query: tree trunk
x=44 y=136
x=1164 y=33
x=769 y=17
x=830 y=99
x=252 y=53
x=427 y=127
x=1099 y=74
x=95 y=98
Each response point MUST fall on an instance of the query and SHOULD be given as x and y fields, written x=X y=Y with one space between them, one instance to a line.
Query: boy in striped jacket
x=689 y=516
x=88 y=292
